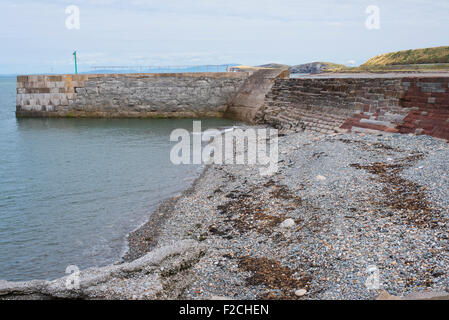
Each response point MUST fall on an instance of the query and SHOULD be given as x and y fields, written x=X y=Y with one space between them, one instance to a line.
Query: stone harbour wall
x=410 y=104
x=251 y=96
x=418 y=105
x=127 y=95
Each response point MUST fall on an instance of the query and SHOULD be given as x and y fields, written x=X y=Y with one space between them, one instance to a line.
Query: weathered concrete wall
x=251 y=96
x=127 y=95
x=406 y=105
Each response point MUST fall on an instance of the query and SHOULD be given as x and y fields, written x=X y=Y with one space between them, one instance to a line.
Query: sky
x=35 y=39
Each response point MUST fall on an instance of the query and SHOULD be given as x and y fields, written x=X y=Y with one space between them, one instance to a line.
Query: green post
x=76 y=67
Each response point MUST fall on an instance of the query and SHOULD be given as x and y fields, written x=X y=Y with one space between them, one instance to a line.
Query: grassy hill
x=418 y=60
x=410 y=57
x=331 y=65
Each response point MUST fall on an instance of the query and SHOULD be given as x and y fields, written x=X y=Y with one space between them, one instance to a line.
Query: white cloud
x=178 y=32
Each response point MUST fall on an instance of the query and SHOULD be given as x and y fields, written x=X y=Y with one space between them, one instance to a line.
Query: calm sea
x=72 y=189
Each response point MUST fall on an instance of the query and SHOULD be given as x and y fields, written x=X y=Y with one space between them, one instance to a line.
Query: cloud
x=182 y=32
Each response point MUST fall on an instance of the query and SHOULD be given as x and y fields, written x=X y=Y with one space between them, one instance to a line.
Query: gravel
x=369 y=213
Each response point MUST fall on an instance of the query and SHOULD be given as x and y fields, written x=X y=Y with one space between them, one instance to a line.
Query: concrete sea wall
x=418 y=105
x=127 y=95
x=251 y=96
x=412 y=104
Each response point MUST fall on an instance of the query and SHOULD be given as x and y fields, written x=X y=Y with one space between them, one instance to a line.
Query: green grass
x=429 y=59
x=330 y=66
x=394 y=68
x=434 y=55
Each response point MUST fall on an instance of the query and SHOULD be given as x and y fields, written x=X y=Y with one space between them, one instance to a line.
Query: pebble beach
x=346 y=216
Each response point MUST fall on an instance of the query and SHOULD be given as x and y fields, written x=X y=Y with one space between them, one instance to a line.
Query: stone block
x=59 y=84
x=44 y=90
x=64 y=101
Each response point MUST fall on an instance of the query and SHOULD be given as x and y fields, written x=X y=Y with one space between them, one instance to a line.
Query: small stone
x=288 y=223
x=320 y=178
x=419 y=131
x=300 y=292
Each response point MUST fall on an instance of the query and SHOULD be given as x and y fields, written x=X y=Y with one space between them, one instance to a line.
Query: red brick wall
x=428 y=101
